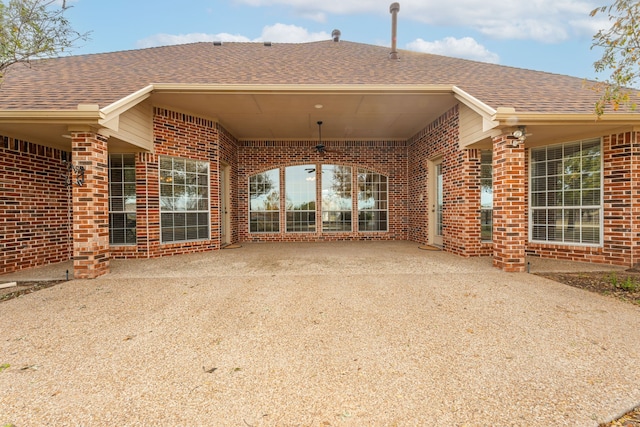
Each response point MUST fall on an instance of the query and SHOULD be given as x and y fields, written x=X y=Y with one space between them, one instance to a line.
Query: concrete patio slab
x=347 y=333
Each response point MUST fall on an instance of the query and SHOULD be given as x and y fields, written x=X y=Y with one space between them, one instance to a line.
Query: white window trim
x=208 y=211
x=249 y=204
x=357 y=212
x=600 y=208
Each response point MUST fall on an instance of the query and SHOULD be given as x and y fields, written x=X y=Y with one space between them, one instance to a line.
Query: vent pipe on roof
x=394 y=9
x=335 y=35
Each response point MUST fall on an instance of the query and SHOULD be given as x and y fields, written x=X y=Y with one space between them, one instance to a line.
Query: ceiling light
x=318 y=106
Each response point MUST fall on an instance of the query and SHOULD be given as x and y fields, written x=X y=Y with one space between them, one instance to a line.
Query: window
x=300 y=190
x=486 y=195
x=302 y=193
x=122 y=199
x=372 y=201
x=336 y=198
x=566 y=193
x=264 y=202
x=184 y=199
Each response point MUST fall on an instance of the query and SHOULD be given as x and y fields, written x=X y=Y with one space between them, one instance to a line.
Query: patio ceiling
x=292 y=114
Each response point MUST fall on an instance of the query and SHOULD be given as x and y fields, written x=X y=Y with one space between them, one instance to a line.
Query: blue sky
x=545 y=35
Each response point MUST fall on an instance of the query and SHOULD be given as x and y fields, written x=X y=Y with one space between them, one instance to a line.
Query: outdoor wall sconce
x=518 y=136
x=69 y=177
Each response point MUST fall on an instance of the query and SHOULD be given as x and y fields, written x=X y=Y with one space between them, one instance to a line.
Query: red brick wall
x=34 y=206
x=228 y=147
x=385 y=157
x=461 y=187
x=90 y=206
x=509 y=205
x=185 y=136
x=34 y=202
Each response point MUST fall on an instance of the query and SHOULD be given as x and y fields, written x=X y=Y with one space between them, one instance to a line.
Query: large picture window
x=302 y=193
x=372 y=201
x=264 y=202
x=122 y=199
x=184 y=199
x=337 y=202
x=566 y=193
x=300 y=190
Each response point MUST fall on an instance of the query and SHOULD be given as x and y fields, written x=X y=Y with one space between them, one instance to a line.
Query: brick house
x=178 y=149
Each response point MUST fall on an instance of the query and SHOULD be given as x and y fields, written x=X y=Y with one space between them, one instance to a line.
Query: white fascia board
x=511 y=117
x=112 y=111
x=66 y=117
x=301 y=89
x=487 y=113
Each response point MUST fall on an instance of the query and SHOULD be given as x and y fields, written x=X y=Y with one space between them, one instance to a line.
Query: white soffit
x=289 y=112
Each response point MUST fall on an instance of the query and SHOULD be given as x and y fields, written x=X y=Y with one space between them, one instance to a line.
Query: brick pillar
x=90 y=206
x=509 y=205
x=635 y=199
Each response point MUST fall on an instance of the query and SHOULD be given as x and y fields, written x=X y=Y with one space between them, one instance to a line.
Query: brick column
x=635 y=199
x=90 y=206
x=509 y=205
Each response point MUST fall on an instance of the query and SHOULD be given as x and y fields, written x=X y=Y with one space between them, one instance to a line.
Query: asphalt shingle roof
x=102 y=79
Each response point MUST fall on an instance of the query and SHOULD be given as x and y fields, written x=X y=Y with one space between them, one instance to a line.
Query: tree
x=33 y=29
x=621 y=44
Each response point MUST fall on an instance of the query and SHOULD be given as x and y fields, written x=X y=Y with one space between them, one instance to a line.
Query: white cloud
x=169 y=39
x=278 y=33
x=282 y=33
x=548 y=21
x=465 y=47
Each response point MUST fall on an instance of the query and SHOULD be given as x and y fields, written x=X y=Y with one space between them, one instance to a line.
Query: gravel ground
x=336 y=334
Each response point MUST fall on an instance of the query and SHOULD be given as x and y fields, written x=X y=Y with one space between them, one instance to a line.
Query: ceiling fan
x=320 y=147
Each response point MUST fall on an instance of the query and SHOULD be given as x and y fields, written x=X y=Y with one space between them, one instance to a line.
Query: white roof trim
x=112 y=112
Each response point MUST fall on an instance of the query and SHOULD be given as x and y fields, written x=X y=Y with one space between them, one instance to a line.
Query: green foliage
x=32 y=29
x=621 y=56
x=627 y=284
x=4 y=366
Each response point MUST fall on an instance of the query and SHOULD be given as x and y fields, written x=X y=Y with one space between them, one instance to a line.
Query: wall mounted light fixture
x=72 y=170
x=518 y=136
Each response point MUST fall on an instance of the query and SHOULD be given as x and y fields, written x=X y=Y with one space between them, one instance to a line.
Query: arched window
x=301 y=200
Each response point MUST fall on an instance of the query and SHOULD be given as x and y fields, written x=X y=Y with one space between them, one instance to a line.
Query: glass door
x=437 y=203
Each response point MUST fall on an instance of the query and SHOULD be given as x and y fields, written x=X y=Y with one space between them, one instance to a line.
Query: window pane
x=300 y=196
x=572 y=180
x=336 y=198
x=372 y=201
x=182 y=200
x=486 y=195
x=264 y=202
x=122 y=199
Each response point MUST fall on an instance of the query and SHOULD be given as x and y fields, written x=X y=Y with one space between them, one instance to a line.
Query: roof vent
x=267 y=44
x=217 y=43
x=394 y=9
x=335 y=35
